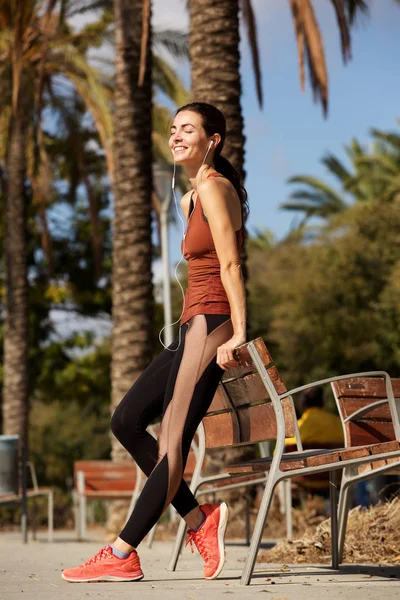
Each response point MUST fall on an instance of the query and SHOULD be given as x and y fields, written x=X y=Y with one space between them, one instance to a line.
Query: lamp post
x=162 y=182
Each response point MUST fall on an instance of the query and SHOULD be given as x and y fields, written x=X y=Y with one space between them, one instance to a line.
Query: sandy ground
x=33 y=571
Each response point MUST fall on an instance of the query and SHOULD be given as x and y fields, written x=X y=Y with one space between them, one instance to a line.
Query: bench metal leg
x=333 y=479
x=248 y=503
x=343 y=512
x=180 y=536
x=34 y=509
x=258 y=531
x=287 y=486
x=151 y=535
x=50 y=516
x=82 y=518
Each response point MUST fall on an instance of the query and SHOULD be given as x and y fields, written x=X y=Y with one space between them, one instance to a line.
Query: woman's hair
x=213 y=121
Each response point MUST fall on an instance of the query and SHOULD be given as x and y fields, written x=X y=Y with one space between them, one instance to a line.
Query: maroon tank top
x=205 y=293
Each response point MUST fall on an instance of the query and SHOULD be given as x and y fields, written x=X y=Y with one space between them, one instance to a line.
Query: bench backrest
x=366 y=396
x=241 y=411
x=107 y=475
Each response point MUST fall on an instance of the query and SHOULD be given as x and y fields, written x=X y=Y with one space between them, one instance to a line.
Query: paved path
x=32 y=571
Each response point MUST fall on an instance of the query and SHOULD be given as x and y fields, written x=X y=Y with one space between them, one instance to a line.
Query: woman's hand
x=225 y=358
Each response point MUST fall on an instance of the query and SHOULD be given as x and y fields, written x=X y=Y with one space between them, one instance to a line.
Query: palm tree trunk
x=132 y=249
x=16 y=314
x=215 y=59
x=132 y=294
x=215 y=63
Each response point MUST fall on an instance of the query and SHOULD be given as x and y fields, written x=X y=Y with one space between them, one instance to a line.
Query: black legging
x=179 y=385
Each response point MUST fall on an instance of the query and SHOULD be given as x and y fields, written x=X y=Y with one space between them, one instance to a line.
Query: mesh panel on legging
x=181 y=385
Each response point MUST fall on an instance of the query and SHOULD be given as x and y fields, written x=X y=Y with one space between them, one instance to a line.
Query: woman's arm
x=222 y=208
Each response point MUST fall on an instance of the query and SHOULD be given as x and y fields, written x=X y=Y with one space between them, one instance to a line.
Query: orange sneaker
x=104 y=566
x=209 y=539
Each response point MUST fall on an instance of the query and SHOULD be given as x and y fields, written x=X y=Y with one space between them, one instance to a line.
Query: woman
x=180 y=383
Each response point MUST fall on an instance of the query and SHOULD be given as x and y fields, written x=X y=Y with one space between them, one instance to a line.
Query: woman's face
x=188 y=140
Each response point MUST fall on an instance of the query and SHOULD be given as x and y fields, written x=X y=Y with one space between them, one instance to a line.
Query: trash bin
x=9 y=464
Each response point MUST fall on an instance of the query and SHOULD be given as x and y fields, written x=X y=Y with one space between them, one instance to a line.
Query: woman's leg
x=182 y=384
x=193 y=379
x=142 y=404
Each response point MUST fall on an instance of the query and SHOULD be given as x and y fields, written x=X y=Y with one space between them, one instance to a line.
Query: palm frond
x=316 y=199
x=299 y=32
x=390 y=137
x=176 y=42
x=344 y=30
x=95 y=34
x=355 y=8
x=144 y=42
x=76 y=7
x=336 y=167
x=314 y=183
x=168 y=81
x=309 y=44
x=251 y=26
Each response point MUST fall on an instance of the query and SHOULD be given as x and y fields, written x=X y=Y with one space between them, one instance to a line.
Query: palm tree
x=382 y=166
x=132 y=250
x=37 y=52
x=373 y=177
x=215 y=58
x=16 y=311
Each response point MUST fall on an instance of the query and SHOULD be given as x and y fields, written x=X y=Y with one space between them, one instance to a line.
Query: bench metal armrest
x=365 y=409
x=389 y=391
x=331 y=379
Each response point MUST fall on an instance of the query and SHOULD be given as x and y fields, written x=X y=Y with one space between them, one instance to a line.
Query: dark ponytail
x=213 y=122
x=223 y=166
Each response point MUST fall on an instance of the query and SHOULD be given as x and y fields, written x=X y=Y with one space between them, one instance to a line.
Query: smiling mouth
x=180 y=148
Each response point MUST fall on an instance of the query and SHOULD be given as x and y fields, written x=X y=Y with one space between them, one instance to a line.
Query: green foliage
x=70 y=412
x=332 y=306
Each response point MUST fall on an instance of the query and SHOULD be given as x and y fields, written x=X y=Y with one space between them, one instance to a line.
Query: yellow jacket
x=319 y=426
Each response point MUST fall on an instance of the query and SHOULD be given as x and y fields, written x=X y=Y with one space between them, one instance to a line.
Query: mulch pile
x=373 y=535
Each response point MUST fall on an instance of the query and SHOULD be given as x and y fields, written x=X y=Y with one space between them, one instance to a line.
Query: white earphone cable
x=176 y=269
x=181 y=258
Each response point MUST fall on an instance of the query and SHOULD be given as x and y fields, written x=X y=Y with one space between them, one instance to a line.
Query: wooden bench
x=103 y=480
x=252 y=405
x=108 y=480
x=366 y=417
x=34 y=492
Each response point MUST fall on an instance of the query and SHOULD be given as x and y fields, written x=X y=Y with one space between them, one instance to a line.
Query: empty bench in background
x=104 y=480
x=252 y=405
x=14 y=485
x=366 y=417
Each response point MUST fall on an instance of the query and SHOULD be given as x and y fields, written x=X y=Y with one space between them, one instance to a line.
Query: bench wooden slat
x=385 y=447
x=373 y=426
x=370 y=387
x=351 y=405
x=221 y=430
x=290 y=460
x=246 y=364
x=104 y=493
x=220 y=401
x=318 y=457
x=361 y=433
x=247 y=424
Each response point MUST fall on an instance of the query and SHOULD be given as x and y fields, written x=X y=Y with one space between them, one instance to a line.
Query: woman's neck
x=193 y=171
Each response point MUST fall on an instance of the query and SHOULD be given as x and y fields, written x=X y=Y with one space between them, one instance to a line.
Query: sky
x=289 y=135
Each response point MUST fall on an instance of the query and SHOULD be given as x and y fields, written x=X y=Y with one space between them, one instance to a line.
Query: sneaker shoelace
x=102 y=553
x=200 y=541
